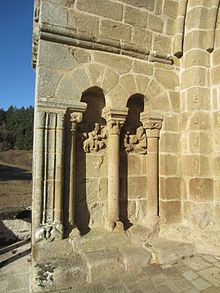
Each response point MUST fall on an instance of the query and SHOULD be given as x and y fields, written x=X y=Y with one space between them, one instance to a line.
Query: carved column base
x=49 y=231
x=74 y=232
x=153 y=225
x=114 y=226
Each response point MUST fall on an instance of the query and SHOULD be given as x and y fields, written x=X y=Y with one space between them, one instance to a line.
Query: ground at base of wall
x=199 y=273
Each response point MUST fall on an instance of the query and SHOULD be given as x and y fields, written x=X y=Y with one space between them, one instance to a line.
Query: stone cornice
x=88 y=41
x=61 y=106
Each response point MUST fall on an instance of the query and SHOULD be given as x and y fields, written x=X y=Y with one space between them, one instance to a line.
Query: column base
x=74 y=232
x=117 y=226
x=152 y=224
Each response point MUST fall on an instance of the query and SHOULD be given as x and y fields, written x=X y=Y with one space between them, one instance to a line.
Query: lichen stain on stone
x=45 y=275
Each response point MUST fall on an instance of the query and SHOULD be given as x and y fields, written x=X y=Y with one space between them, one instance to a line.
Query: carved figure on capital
x=137 y=141
x=94 y=141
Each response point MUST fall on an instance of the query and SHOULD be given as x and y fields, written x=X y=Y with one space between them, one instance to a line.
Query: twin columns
x=48 y=227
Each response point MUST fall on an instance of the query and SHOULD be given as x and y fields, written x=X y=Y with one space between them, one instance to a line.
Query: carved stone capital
x=75 y=117
x=152 y=122
x=115 y=119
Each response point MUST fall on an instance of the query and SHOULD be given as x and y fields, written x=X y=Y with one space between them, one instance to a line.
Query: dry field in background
x=15 y=179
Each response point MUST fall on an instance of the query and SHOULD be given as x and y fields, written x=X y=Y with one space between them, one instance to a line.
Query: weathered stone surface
x=141 y=37
x=135 y=17
x=170 y=188
x=115 y=30
x=201 y=189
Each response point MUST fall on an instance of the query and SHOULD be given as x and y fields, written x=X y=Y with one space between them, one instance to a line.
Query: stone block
x=174 y=98
x=82 y=56
x=171 y=122
x=216 y=57
x=137 y=187
x=103 y=188
x=169 y=142
x=153 y=90
x=216 y=214
x=143 y=67
x=129 y=83
x=168 y=164
x=133 y=164
x=96 y=166
x=158 y=7
x=97 y=214
x=149 y=4
x=216 y=120
x=162 y=44
x=201 y=189
x=115 y=30
x=110 y=80
x=155 y=23
x=170 y=211
x=141 y=37
x=48 y=80
x=169 y=27
x=200 y=142
x=53 y=14
x=196 y=39
x=96 y=74
x=169 y=79
x=108 y=9
x=196 y=77
x=83 y=22
x=216 y=166
x=170 y=8
x=216 y=145
x=117 y=63
x=55 y=56
x=170 y=188
x=198 y=98
x=141 y=209
x=198 y=18
x=197 y=57
x=215 y=71
x=142 y=83
x=135 y=17
x=87 y=189
x=160 y=103
x=195 y=165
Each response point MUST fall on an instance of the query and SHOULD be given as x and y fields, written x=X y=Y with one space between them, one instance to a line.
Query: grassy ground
x=15 y=179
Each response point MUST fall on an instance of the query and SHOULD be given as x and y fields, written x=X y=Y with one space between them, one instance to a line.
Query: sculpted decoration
x=94 y=139
x=136 y=142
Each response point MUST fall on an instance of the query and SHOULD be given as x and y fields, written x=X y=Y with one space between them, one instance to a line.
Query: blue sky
x=16 y=73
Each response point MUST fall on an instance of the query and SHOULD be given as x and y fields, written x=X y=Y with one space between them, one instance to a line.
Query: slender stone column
x=76 y=117
x=115 y=120
x=59 y=168
x=38 y=168
x=152 y=123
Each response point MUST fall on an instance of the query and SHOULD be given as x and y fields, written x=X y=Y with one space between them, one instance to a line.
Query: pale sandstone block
x=155 y=23
x=196 y=39
x=170 y=8
x=197 y=18
x=200 y=120
x=135 y=17
x=103 y=189
x=174 y=98
x=128 y=82
x=171 y=122
x=169 y=79
x=107 y=9
x=162 y=44
x=169 y=142
x=205 y=3
x=216 y=57
x=169 y=28
x=200 y=142
x=197 y=58
x=216 y=166
x=83 y=22
x=195 y=165
x=134 y=164
x=216 y=120
x=68 y=89
x=143 y=67
x=137 y=187
x=201 y=189
x=198 y=98
x=57 y=56
x=149 y=4
x=53 y=14
x=96 y=74
x=161 y=103
x=118 y=63
x=141 y=37
x=170 y=188
x=115 y=30
x=81 y=56
x=170 y=211
x=48 y=80
x=196 y=76
x=142 y=83
x=110 y=80
x=215 y=72
x=216 y=219
x=153 y=90
x=168 y=165
x=198 y=214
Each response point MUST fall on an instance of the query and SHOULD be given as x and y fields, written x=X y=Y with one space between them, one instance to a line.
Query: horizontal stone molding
x=59 y=106
x=88 y=41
